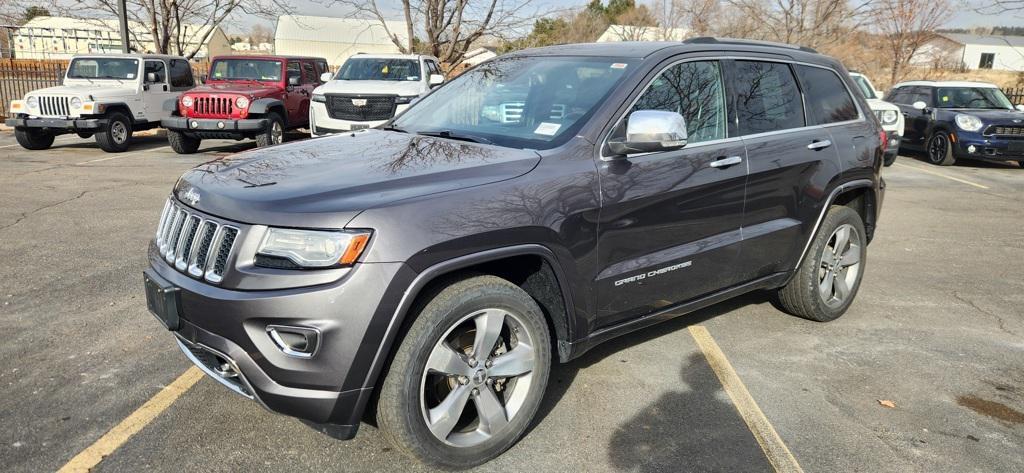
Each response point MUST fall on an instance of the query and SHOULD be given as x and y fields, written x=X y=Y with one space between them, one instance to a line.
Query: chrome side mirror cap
x=919 y=105
x=326 y=77
x=293 y=80
x=649 y=131
x=436 y=80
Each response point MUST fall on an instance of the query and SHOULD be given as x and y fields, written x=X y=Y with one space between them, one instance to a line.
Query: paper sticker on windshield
x=131 y=75
x=945 y=98
x=619 y=65
x=548 y=129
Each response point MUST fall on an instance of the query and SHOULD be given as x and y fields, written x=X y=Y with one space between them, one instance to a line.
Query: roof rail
x=752 y=42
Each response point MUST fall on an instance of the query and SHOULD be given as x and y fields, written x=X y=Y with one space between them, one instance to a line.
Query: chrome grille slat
x=196 y=245
x=188 y=233
x=54 y=106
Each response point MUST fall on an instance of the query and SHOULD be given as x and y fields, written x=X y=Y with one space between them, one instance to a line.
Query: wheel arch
x=122 y=107
x=264 y=105
x=857 y=192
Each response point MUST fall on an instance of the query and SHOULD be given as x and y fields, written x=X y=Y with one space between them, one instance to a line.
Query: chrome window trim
x=860 y=112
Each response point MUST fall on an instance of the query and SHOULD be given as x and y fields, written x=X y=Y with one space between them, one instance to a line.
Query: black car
x=960 y=120
x=428 y=273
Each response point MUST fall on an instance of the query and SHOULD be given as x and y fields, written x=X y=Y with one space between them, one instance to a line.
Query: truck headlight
x=76 y=103
x=187 y=101
x=33 y=102
x=319 y=98
x=241 y=102
x=405 y=99
x=314 y=248
x=968 y=122
x=889 y=117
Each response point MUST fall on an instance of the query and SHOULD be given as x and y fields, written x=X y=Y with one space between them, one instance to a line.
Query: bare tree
x=905 y=26
x=694 y=16
x=812 y=23
x=998 y=7
x=178 y=27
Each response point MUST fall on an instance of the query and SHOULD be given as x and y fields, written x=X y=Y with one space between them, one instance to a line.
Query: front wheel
x=827 y=280
x=469 y=375
x=274 y=134
x=889 y=159
x=940 y=150
x=182 y=143
x=117 y=136
x=34 y=138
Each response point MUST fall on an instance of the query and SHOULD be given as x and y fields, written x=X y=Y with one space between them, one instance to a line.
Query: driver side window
x=693 y=90
x=156 y=67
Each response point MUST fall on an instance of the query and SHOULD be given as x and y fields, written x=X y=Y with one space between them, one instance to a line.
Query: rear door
x=669 y=228
x=829 y=102
x=787 y=159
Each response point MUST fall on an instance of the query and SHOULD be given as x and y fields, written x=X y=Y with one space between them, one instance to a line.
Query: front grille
x=373 y=108
x=214 y=106
x=193 y=243
x=1005 y=130
x=53 y=106
x=512 y=112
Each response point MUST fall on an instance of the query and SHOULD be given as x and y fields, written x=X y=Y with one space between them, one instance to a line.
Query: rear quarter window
x=767 y=97
x=826 y=96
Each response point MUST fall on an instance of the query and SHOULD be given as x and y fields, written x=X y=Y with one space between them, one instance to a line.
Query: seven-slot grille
x=215 y=106
x=374 y=107
x=193 y=243
x=1005 y=130
x=51 y=106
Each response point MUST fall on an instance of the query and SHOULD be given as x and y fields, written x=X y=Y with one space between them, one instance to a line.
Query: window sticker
x=618 y=65
x=547 y=129
x=945 y=98
x=130 y=75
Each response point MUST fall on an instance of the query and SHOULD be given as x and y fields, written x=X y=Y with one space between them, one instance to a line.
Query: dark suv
x=429 y=272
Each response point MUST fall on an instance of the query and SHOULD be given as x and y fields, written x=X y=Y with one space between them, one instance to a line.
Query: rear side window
x=693 y=90
x=181 y=74
x=309 y=73
x=898 y=95
x=921 y=94
x=767 y=97
x=826 y=97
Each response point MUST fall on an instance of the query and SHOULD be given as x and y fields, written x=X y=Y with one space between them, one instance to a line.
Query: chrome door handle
x=726 y=162
x=819 y=144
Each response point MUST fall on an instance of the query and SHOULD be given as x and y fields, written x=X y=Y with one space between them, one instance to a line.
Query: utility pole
x=122 y=16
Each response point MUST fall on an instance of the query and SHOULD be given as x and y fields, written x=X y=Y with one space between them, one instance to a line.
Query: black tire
x=889 y=160
x=33 y=138
x=801 y=296
x=182 y=143
x=117 y=136
x=84 y=135
x=441 y=312
x=939 y=150
x=274 y=134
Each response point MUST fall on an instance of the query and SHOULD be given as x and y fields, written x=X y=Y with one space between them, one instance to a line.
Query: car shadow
x=960 y=163
x=139 y=143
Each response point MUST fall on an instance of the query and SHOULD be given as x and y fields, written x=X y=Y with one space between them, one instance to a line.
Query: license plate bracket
x=163 y=300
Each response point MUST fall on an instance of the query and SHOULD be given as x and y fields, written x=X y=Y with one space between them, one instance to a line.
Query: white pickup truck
x=108 y=96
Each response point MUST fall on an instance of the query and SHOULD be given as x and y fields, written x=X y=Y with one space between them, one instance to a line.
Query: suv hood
x=97 y=91
x=325 y=182
x=251 y=89
x=396 y=87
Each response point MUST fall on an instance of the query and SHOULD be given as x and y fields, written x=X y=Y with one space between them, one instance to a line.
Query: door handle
x=816 y=145
x=726 y=162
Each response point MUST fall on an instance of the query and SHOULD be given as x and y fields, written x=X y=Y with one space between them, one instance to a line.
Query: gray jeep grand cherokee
x=429 y=272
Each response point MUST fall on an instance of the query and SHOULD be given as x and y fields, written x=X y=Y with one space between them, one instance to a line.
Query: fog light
x=971 y=149
x=220 y=125
x=298 y=342
x=194 y=124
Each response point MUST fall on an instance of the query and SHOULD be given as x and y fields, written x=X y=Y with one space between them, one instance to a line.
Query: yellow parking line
x=935 y=173
x=131 y=425
x=774 y=448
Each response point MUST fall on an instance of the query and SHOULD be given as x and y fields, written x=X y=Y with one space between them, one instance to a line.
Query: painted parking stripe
x=119 y=156
x=131 y=425
x=936 y=173
x=774 y=448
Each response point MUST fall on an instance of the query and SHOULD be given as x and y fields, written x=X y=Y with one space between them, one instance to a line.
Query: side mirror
x=293 y=80
x=326 y=77
x=150 y=77
x=436 y=80
x=919 y=105
x=202 y=78
x=1020 y=107
x=649 y=131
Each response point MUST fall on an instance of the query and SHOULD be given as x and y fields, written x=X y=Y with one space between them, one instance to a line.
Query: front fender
x=264 y=104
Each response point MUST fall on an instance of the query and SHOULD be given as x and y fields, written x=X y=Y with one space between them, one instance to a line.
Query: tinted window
x=920 y=94
x=898 y=95
x=694 y=90
x=825 y=96
x=181 y=74
x=767 y=97
x=155 y=67
x=309 y=75
x=865 y=87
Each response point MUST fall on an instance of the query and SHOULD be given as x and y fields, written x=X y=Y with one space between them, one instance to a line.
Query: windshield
x=242 y=69
x=519 y=102
x=380 y=69
x=865 y=87
x=973 y=97
x=103 y=68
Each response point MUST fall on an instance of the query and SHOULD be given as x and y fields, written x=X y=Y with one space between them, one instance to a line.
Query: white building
x=241 y=46
x=969 y=51
x=335 y=39
x=641 y=33
x=53 y=37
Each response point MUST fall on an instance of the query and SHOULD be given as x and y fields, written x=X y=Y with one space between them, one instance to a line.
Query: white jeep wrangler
x=369 y=90
x=107 y=96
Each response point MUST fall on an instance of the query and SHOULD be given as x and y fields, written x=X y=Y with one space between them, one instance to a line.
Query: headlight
x=32 y=102
x=76 y=102
x=406 y=99
x=241 y=102
x=968 y=122
x=187 y=101
x=312 y=248
x=319 y=98
x=889 y=117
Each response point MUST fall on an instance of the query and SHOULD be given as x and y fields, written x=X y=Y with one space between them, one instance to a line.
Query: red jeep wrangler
x=246 y=97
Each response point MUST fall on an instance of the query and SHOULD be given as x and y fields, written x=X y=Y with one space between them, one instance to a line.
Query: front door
x=294 y=93
x=157 y=91
x=915 y=129
x=669 y=226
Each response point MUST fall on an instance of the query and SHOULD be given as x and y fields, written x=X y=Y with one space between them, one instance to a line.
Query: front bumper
x=202 y=126
x=977 y=146
x=331 y=387
x=321 y=123
x=65 y=124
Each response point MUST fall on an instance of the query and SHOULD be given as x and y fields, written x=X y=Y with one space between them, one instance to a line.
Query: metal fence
x=1015 y=94
x=18 y=79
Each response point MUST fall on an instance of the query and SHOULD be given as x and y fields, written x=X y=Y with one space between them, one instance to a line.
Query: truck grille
x=1005 y=130
x=214 y=106
x=375 y=107
x=194 y=244
x=54 y=106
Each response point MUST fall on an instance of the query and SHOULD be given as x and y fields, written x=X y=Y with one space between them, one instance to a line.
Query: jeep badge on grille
x=192 y=197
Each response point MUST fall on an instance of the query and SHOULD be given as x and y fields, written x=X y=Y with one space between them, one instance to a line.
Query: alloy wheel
x=840 y=265
x=937 y=148
x=488 y=358
x=276 y=133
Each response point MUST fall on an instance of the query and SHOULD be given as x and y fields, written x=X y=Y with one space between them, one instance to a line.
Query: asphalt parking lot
x=937 y=330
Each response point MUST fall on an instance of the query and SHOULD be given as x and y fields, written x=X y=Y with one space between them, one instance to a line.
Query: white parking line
x=935 y=173
x=119 y=156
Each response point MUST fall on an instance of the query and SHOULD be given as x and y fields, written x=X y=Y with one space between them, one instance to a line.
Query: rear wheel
x=889 y=159
x=182 y=143
x=274 y=134
x=33 y=138
x=940 y=150
x=469 y=375
x=117 y=136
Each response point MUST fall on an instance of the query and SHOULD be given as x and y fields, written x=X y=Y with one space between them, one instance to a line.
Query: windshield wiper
x=394 y=128
x=455 y=136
